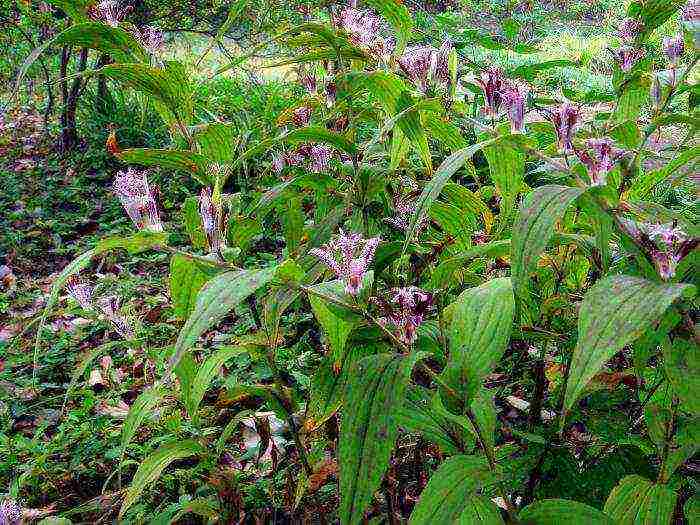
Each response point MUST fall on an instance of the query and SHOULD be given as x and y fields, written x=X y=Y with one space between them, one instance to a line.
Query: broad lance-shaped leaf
x=444 y=497
x=418 y=414
x=398 y=16
x=682 y=365
x=181 y=160
x=139 y=410
x=373 y=397
x=481 y=324
x=533 y=228
x=480 y=510
x=218 y=297
x=336 y=327
x=205 y=374
x=154 y=465
x=507 y=170
x=431 y=190
x=559 y=511
x=186 y=279
x=329 y=383
x=114 y=41
x=614 y=313
x=637 y=500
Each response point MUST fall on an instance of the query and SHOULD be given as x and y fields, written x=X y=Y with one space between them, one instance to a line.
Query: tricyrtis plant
x=543 y=238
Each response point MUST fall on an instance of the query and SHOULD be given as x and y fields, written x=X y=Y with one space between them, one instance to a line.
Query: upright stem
x=491 y=458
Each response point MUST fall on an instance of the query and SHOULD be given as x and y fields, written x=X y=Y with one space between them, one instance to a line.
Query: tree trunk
x=69 y=134
x=104 y=98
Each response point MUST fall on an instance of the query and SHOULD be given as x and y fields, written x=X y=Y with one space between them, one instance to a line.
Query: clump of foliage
x=441 y=221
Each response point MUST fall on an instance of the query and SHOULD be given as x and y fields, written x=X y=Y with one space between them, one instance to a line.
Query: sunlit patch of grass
x=570 y=46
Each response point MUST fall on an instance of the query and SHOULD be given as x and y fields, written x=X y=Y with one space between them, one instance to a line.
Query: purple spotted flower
x=152 y=39
x=132 y=189
x=309 y=83
x=81 y=292
x=349 y=256
x=418 y=63
x=109 y=11
x=674 y=46
x=565 y=121
x=210 y=214
x=491 y=81
x=331 y=93
x=665 y=244
x=442 y=68
x=109 y=306
x=301 y=116
x=599 y=158
x=279 y=162
x=405 y=311
x=627 y=57
x=514 y=97
x=320 y=157
x=362 y=26
x=630 y=29
x=11 y=512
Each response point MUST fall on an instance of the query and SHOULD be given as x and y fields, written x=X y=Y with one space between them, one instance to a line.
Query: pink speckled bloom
x=349 y=256
x=599 y=159
x=627 y=57
x=210 y=220
x=491 y=81
x=132 y=189
x=565 y=121
x=674 y=47
x=405 y=312
x=514 y=97
x=81 y=292
x=109 y=11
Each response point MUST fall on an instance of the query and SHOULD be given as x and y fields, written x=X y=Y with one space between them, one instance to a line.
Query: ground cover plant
x=432 y=274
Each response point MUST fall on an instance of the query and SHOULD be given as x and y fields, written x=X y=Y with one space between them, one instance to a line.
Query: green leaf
x=480 y=510
x=685 y=444
x=318 y=134
x=443 y=275
x=78 y=264
x=614 y=313
x=153 y=466
x=558 y=511
x=217 y=142
x=168 y=86
x=398 y=17
x=242 y=231
x=418 y=414
x=653 y=13
x=682 y=365
x=114 y=41
x=529 y=71
x=627 y=499
x=205 y=374
x=431 y=190
x=439 y=128
x=642 y=186
x=507 y=169
x=482 y=319
x=454 y=223
x=533 y=228
x=216 y=299
x=139 y=242
x=292 y=219
x=336 y=327
x=329 y=383
x=180 y=160
x=141 y=408
x=658 y=420
x=193 y=223
x=443 y=498
x=374 y=395
x=691 y=509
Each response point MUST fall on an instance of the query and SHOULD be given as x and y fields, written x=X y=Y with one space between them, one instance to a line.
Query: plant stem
x=491 y=458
